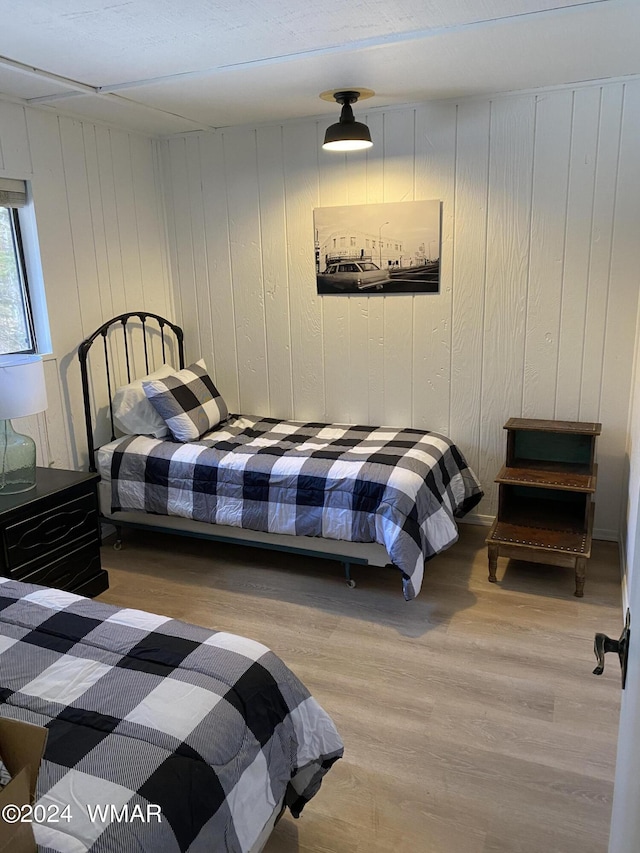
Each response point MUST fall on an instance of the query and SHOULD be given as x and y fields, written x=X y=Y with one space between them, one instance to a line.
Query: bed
x=354 y=493
x=208 y=734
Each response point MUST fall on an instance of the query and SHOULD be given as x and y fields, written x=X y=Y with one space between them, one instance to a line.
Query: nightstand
x=546 y=488
x=50 y=535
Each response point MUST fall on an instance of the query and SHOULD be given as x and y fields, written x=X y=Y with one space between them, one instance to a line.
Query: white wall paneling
x=398 y=185
x=617 y=371
x=185 y=235
x=357 y=307
x=150 y=229
x=49 y=429
x=199 y=255
x=582 y=170
x=469 y=274
x=199 y=190
x=333 y=192
x=375 y=307
x=15 y=155
x=214 y=190
x=550 y=182
x=630 y=521
x=300 y=146
x=600 y=258
x=273 y=232
x=243 y=194
x=435 y=158
x=101 y=230
x=536 y=312
x=511 y=135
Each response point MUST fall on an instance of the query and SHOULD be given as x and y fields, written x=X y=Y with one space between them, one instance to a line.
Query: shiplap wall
x=101 y=229
x=540 y=260
x=631 y=508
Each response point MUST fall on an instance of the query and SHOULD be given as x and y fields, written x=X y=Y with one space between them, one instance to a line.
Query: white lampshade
x=22 y=388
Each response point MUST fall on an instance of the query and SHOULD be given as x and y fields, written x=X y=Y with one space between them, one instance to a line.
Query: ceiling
x=165 y=66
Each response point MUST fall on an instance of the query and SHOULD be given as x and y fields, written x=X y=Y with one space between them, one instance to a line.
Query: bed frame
x=117 y=340
x=109 y=337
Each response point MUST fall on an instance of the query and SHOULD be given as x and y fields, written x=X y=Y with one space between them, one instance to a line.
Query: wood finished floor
x=470 y=717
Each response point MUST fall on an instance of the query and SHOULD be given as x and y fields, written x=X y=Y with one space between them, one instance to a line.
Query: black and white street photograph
x=378 y=248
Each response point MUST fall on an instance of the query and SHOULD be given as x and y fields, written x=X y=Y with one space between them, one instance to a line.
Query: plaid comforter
x=210 y=727
x=401 y=488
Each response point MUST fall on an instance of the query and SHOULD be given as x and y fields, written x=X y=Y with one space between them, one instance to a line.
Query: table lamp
x=22 y=393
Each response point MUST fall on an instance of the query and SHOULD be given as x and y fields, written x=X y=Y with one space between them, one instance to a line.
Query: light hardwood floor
x=470 y=717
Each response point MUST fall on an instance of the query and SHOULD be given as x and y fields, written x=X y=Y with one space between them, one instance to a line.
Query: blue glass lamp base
x=17 y=461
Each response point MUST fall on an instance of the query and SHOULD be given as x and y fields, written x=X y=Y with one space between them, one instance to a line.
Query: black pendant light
x=347 y=134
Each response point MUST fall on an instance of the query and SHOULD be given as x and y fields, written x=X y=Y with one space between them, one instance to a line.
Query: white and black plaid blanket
x=401 y=488
x=211 y=729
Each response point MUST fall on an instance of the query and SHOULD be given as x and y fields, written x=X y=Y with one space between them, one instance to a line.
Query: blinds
x=12 y=193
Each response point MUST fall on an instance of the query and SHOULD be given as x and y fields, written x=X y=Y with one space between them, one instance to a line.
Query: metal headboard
x=165 y=327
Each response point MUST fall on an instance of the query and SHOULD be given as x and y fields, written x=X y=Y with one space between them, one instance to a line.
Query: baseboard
x=477 y=518
x=606 y=534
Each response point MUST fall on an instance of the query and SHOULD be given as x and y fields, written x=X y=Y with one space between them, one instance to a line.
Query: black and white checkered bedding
x=401 y=488
x=144 y=710
x=187 y=401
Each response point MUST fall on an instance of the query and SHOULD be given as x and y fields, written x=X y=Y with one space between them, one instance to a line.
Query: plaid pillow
x=188 y=402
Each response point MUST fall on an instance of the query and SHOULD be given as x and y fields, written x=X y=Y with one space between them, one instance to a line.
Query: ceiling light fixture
x=347 y=134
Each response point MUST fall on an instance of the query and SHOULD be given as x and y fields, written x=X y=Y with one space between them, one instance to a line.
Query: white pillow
x=133 y=414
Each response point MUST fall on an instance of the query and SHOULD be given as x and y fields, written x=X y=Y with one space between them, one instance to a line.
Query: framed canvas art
x=378 y=248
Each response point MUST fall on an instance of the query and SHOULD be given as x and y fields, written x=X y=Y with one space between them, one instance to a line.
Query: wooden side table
x=546 y=487
x=50 y=535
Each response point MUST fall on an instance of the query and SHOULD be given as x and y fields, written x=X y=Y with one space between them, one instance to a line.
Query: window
x=353 y=241
x=24 y=325
x=16 y=326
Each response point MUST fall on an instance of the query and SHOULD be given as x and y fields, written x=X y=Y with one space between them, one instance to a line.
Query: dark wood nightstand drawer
x=43 y=534
x=50 y=534
x=41 y=560
x=70 y=571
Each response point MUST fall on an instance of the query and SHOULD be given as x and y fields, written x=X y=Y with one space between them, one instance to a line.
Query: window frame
x=24 y=282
